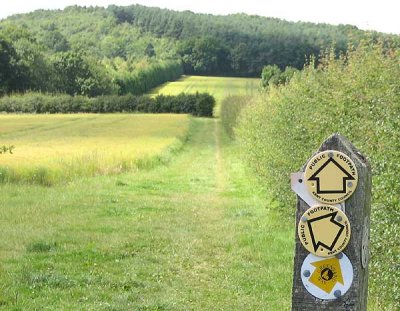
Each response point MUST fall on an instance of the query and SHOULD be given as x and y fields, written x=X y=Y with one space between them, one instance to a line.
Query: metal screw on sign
x=337 y=293
x=306 y=273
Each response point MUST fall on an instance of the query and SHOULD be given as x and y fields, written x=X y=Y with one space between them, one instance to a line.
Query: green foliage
x=33 y=68
x=149 y=51
x=76 y=75
x=199 y=104
x=204 y=104
x=358 y=96
x=272 y=75
x=40 y=58
x=53 y=39
x=238 y=44
x=231 y=108
x=12 y=73
x=287 y=74
x=241 y=45
x=204 y=56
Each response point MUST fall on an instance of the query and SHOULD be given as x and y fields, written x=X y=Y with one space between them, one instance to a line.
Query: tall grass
x=57 y=148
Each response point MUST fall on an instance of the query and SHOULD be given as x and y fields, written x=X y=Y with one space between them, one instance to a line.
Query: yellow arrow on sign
x=326 y=274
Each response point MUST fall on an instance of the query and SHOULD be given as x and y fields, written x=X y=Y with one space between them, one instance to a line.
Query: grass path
x=193 y=235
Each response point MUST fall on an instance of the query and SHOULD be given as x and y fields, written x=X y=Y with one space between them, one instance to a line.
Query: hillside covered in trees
x=118 y=50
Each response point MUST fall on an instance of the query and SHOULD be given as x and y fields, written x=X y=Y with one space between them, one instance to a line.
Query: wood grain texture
x=358 y=208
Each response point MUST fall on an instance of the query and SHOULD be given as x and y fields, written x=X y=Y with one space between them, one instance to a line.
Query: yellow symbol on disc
x=324 y=230
x=326 y=274
x=331 y=177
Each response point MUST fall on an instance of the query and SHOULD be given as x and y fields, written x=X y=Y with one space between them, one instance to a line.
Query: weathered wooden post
x=332 y=219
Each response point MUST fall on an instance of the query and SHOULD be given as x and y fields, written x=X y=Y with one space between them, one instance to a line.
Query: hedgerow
x=199 y=104
x=357 y=95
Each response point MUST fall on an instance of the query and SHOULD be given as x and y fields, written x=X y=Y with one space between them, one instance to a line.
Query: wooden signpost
x=332 y=222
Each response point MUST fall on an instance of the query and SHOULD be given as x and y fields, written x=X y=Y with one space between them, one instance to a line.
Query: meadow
x=54 y=148
x=196 y=234
x=219 y=87
x=133 y=211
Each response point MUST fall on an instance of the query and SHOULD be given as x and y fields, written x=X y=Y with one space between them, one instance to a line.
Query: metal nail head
x=337 y=293
x=339 y=256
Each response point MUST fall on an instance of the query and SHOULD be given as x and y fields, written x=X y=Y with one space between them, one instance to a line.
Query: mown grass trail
x=193 y=235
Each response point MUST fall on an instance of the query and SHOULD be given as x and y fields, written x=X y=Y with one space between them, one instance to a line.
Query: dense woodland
x=118 y=50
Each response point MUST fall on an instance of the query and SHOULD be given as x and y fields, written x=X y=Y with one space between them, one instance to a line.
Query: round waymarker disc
x=327 y=278
x=324 y=230
x=331 y=177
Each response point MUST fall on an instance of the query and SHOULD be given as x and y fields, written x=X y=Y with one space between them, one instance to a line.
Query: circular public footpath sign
x=324 y=230
x=327 y=278
x=331 y=177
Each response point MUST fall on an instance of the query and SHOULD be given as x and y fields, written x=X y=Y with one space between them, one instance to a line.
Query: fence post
x=314 y=269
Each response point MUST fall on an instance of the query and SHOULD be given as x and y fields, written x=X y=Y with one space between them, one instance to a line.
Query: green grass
x=219 y=87
x=52 y=148
x=196 y=234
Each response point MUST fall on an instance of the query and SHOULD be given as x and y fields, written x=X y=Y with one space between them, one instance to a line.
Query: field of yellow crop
x=49 y=148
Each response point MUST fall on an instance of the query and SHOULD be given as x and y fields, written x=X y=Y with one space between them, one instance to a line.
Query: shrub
x=272 y=75
x=204 y=105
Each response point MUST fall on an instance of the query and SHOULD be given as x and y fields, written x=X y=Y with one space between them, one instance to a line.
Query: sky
x=382 y=15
